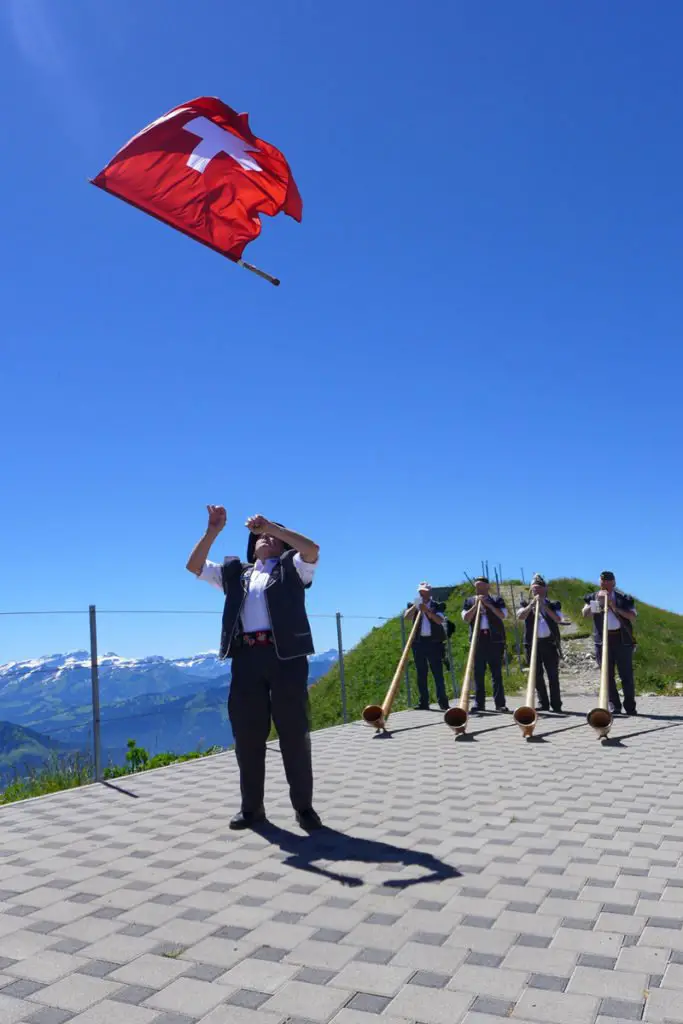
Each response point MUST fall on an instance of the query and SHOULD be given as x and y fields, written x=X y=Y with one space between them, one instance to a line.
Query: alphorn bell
x=456 y=718
x=526 y=716
x=600 y=718
x=375 y=714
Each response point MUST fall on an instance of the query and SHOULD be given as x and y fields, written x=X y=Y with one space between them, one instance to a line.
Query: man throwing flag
x=267 y=635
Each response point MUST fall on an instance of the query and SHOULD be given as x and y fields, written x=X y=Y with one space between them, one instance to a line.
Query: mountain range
x=165 y=704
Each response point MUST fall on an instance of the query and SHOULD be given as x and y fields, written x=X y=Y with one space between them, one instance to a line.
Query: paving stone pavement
x=462 y=881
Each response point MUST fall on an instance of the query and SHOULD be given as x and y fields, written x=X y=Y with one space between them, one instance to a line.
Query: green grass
x=70 y=771
x=369 y=668
x=371 y=664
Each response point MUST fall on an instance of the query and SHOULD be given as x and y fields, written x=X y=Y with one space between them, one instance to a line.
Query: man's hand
x=217 y=518
x=259 y=525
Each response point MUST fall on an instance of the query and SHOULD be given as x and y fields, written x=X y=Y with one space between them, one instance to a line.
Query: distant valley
x=164 y=704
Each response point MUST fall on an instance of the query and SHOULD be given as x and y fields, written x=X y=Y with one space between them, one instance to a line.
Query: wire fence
x=91 y=705
x=94 y=705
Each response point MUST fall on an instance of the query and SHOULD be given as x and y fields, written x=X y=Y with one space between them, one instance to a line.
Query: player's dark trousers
x=488 y=654
x=429 y=655
x=548 y=658
x=621 y=659
x=265 y=688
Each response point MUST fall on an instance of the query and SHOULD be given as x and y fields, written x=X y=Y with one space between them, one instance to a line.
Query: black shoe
x=558 y=711
x=420 y=707
x=444 y=705
x=615 y=709
x=247 y=819
x=476 y=710
x=308 y=820
x=542 y=707
x=503 y=710
x=631 y=713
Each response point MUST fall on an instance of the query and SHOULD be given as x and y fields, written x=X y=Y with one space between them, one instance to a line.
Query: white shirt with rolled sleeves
x=426 y=624
x=484 y=619
x=255 y=616
x=543 y=627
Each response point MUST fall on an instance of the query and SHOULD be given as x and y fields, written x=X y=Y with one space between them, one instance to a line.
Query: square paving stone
x=49 y=1015
x=429 y=938
x=234 y=934
x=133 y=994
x=314 y=976
x=429 y=979
x=621 y=1008
x=473 y=921
x=271 y=953
x=386 y=919
x=204 y=972
x=548 y=982
x=247 y=998
x=368 y=1003
x=494 y=1007
x=174 y=1018
x=374 y=956
x=22 y=989
x=328 y=935
x=483 y=960
x=537 y=941
x=98 y=968
x=603 y=963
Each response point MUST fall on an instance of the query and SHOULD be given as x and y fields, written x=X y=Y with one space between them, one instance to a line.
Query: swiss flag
x=200 y=169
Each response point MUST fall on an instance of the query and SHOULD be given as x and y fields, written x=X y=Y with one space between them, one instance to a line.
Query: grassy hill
x=22 y=750
x=371 y=664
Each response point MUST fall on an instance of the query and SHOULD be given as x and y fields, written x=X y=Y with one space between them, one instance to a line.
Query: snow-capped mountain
x=164 y=703
x=65 y=678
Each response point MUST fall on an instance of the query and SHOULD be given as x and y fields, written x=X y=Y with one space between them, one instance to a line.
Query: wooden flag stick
x=260 y=273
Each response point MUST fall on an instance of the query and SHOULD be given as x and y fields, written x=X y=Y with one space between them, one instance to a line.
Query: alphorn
x=376 y=714
x=526 y=717
x=600 y=718
x=456 y=718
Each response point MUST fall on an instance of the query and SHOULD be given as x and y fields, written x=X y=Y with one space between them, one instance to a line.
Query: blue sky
x=475 y=352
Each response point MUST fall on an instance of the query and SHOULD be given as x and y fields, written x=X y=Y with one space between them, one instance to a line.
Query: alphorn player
x=267 y=635
x=621 y=613
x=548 y=651
x=429 y=646
x=490 y=643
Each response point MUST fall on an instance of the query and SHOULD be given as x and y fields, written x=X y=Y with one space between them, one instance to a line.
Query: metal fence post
x=406 y=671
x=516 y=622
x=342 y=678
x=452 y=666
x=95 y=681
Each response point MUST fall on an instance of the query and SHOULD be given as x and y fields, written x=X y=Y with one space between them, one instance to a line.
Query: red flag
x=200 y=169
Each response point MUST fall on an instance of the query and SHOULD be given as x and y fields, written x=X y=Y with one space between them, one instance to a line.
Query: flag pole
x=259 y=273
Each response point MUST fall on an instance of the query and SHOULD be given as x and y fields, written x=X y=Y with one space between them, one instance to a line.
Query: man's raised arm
x=217 y=520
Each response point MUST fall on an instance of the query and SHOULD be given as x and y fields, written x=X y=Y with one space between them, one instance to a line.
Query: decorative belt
x=262 y=638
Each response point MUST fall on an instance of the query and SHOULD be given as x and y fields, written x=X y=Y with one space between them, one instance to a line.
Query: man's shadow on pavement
x=330 y=845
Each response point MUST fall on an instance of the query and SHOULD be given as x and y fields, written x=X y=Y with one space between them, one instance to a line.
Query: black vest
x=438 y=633
x=621 y=600
x=552 y=625
x=285 y=599
x=495 y=624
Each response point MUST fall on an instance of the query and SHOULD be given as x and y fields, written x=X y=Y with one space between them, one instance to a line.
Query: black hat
x=251 y=544
x=606 y=575
x=481 y=579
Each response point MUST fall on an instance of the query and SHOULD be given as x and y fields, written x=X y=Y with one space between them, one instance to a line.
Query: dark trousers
x=489 y=654
x=621 y=658
x=428 y=654
x=548 y=658
x=263 y=687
